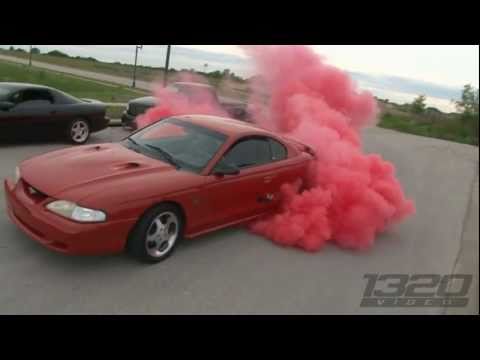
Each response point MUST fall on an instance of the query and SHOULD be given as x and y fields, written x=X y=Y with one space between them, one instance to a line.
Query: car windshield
x=4 y=94
x=183 y=144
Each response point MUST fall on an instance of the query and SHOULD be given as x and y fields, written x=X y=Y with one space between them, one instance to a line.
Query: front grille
x=33 y=193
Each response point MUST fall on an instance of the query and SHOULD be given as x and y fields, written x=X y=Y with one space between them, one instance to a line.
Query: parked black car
x=27 y=109
x=194 y=92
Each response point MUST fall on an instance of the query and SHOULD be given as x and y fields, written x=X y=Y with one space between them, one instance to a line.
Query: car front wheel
x=156 y=234
x=78 y=131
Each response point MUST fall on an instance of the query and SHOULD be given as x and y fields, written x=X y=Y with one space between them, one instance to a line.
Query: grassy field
x=145 y=73
x=450 y=128
x=116 y=69
x=73 y=85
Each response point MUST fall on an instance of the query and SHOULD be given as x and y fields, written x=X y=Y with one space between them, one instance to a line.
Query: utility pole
x=137 y=47
x=167 y=62
x=30 y=57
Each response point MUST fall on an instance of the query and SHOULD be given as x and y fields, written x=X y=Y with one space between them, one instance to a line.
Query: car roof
x=227 y=126
x=19 y=86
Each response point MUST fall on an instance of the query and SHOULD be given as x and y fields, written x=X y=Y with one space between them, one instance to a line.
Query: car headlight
x=17 y=175
x=72 y=211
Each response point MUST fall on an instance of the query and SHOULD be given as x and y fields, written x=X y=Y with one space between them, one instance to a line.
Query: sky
x=397 y=72
x=451 y=65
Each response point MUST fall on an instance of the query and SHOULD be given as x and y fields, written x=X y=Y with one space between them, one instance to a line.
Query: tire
x=149 y=241
x=78 y=131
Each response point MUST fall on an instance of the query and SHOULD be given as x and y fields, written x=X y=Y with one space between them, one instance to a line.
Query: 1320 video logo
x=416 y=290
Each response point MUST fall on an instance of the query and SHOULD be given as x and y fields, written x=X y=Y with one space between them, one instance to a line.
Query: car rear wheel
x=78 y=131
x=156 y=234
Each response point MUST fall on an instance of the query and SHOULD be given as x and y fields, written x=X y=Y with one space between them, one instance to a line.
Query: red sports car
x=180 y=177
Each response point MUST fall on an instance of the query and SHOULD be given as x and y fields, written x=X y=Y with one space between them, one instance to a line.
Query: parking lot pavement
x=234 y=272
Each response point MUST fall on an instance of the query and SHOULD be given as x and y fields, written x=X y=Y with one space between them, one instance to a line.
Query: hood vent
x=128 y=165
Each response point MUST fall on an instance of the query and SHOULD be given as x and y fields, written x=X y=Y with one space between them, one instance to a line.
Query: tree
x=468 y=105
x=35 y=51
x=11 y=48
x=418 y=105
x=215 y=74
x=57 y=53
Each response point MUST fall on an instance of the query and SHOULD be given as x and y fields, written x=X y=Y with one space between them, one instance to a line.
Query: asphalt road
x=139 y=84
x=234 y=272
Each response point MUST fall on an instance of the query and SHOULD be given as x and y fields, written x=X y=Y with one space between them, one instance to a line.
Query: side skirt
x=215 y=228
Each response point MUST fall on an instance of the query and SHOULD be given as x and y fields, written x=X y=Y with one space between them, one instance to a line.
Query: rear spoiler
x=302 y=147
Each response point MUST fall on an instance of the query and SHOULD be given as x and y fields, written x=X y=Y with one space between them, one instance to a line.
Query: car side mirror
x=223 y=169
x=6 y=105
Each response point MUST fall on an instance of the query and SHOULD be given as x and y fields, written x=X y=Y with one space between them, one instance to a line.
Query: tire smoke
x=352 y=196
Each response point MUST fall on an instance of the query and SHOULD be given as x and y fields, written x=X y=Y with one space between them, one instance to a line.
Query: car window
x=249 y=152
x=16 y=97
x=59 y=97
x=279 y=152
x=32 y=95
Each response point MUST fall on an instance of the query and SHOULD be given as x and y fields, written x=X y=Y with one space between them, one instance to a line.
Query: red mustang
x=181 y=177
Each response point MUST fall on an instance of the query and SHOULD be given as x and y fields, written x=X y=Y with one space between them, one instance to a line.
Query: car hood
x=145 y=101
x=78 y=173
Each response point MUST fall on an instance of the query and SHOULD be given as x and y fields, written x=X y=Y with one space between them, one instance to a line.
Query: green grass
x=115 y=112
x=10 y=72
x=455 y=129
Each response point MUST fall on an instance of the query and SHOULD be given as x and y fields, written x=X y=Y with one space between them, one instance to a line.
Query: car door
x=5 y=114
x=248 y=193
x=285 y=169
x=33 y=108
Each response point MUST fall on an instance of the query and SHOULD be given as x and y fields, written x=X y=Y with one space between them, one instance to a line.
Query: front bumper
x=60 y=234
x=100 y=123
x=128 y=120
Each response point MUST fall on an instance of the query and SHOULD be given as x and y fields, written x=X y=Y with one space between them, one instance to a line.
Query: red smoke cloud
x=352 y=196
x=173 y=103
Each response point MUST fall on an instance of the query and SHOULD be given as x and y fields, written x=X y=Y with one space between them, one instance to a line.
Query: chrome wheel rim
x=162 y=234
x=79 y=131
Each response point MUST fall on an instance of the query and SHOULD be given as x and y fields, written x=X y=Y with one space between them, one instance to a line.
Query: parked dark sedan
x=27 y=109
x=194 y=92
